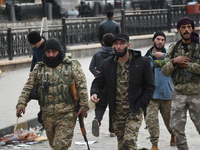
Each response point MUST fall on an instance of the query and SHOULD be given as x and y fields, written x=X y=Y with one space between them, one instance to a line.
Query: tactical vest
x=194 y=55
x=52 y=92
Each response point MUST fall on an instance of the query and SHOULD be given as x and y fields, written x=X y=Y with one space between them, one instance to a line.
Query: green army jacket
x=57 y=99
x=186 y=80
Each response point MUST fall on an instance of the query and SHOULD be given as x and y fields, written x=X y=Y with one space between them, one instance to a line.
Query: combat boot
x=154 y=147
x=172 y=141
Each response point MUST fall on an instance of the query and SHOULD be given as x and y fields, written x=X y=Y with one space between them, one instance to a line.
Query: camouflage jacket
x=186 y=80
x=58 y=98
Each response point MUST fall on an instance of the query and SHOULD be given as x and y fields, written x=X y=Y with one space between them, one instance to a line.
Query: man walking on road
x=163 y=93
x=53 y=78
x=108 y=26
x=184 y=68
x=129 y=88
x=95 y=68
x=37 y=42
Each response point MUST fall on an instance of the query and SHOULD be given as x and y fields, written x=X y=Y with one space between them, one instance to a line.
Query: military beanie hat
x=159 y=33
x=53 y=44
x=34 y=37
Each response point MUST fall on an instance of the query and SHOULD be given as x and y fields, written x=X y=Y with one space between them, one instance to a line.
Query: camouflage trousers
x=180 y=104
x=152 y=121
x=126 y=128
x=60 y=130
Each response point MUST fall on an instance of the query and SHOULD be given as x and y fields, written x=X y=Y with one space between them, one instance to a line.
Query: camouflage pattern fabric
x=58 y=109
x=60 y=129
x=126 y=128
x=152 y=120
x=186 y=84
x=125 y=124
x=80 y=81
x=161 y=63
x=122 y=87
x=180 y=104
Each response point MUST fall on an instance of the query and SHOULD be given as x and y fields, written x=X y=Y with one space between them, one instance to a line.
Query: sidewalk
x=11 y=84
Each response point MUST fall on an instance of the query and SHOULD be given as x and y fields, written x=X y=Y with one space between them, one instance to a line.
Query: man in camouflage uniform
x=129 y=84
x=53 y=78
x=185 y=71
x=162 y=96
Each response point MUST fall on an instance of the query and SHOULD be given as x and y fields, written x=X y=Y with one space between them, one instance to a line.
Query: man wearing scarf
x=161 y=101
x=53 y=77
x=183 y=66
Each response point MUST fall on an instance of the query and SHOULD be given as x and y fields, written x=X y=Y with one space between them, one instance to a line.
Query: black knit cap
x=34 y=37
x=121 y=36
x=53 y=44
x=158 y=33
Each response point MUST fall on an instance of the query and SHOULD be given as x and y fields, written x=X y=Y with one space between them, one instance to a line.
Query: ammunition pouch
x=34 y=94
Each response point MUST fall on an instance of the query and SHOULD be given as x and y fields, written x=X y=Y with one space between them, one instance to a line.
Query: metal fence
x=13 y=42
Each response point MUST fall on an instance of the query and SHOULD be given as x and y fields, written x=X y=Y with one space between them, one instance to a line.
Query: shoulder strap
x=176 y=46
x=175 y=49
x=61 y=75
x=193 y=50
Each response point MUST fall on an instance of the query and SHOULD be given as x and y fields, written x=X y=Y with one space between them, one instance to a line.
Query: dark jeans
x=101 y=108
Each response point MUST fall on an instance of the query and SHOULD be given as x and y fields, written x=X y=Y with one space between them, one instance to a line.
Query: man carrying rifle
x=183 y=66
x=53 y=78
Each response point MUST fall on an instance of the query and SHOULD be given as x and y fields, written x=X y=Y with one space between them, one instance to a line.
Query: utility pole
x=45 y=19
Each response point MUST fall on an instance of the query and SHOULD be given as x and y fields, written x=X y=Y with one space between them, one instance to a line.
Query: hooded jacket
x=141 y=83
x=99 y=57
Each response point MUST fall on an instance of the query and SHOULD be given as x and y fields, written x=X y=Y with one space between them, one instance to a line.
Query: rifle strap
x=176 y=46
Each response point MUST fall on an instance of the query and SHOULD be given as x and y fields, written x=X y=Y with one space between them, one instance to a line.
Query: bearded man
x=183 y=66
x=162 y=96
x=129 y=84
x=53 y=77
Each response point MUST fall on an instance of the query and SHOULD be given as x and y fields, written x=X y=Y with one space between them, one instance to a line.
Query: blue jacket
x=164 y=86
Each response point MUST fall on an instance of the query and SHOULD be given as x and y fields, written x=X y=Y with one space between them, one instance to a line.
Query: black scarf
x=55 y=61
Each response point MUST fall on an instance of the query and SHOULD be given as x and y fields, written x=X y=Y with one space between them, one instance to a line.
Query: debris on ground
x=21 y=138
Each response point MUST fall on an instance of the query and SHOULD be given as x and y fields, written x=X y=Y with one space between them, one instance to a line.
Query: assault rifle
x=77 y=106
